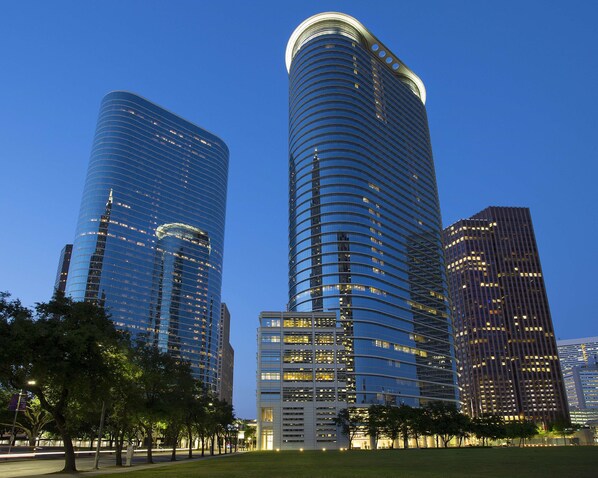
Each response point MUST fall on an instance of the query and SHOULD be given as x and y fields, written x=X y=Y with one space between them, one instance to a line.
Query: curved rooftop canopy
x=185 y=232
x=340 y=23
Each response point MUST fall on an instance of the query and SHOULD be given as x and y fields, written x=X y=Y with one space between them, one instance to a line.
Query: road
x=35 y=467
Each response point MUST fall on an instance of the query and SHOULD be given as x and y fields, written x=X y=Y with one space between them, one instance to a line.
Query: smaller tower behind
x=62 y=273
x=226 y=357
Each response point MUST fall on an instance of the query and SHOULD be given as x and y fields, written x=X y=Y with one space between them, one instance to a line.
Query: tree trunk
x=69 y=453
x=70 y=465
x=212 y=445
x=190 y=437
x=203 y=445
x=175 y=440
x=120 y=438
x=150 y=442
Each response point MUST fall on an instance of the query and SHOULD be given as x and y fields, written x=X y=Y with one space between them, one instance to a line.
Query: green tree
x=399 y=421
x=406 y=419
x=376 y=423
x=463 y=427
x=224 y=417
x=179 y=399
x=249 y=436
x=194 y=408
x=125 y=403
x=522 y=429
x=528 y=430
x=5 y=415
x=392 y=424
x=446 y=421
x=488 y=427
x=32 y=421
x=563 y=428
x=349 y=421
x=66 y=348
x=201 y=419
x=157 y=384
x=421 y=424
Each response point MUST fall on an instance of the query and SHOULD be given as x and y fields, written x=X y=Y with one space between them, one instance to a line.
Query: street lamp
x=14 y=422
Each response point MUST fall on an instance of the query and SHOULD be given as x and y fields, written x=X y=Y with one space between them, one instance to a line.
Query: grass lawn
x=562 y=462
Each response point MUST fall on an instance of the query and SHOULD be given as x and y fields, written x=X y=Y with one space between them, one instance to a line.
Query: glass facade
x=365 y=226
x=579 y=363
x=575 y=352
x=150 y=233
x=508 y=361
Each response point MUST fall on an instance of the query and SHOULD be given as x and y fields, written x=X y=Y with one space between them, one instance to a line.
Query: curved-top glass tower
x=364 y=217
x=150 y=234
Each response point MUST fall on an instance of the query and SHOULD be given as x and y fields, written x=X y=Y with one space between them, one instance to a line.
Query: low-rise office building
x=301 y=381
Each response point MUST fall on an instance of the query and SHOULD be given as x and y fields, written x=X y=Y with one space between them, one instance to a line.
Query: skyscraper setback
x=149 y=240
x=365 y=228
x=507 y=353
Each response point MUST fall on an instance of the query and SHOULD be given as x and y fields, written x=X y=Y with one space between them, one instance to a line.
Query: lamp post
x=14 y=422
x=210 y=417
x=96 y=459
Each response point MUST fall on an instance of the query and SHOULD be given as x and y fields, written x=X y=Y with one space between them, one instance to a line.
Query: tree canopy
x=72 y=358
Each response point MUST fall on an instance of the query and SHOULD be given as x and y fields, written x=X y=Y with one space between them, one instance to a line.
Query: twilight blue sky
x=512 y=105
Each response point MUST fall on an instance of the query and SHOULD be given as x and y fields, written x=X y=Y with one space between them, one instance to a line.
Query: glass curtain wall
x=365 y=226
x=150 y=234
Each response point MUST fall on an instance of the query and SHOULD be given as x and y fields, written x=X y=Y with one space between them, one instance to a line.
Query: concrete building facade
x=301 y=381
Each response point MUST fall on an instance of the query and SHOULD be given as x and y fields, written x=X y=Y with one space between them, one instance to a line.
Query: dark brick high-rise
x=506 y=350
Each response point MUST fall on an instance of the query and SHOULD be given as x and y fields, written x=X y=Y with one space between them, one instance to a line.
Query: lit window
x=267 y=414
x=270 y=338
x=298 y=376
x=270 y=322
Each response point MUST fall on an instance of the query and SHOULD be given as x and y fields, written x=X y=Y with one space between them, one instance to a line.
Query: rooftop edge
x=370 y=41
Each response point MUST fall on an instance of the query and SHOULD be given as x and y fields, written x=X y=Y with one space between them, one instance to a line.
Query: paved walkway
x=40 y=467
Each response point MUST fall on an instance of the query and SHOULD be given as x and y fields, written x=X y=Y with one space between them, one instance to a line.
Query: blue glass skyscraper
x=149 y=240
x=365 y=226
